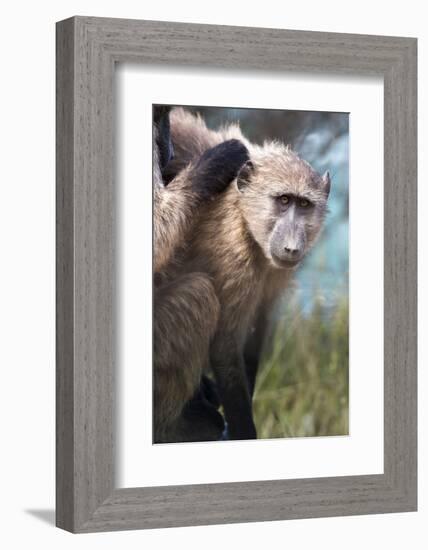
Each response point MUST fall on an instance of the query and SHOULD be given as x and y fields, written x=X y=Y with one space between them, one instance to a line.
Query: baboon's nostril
x=291 y=251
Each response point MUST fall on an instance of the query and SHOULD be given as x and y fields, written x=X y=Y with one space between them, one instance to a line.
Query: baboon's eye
x=284 y=199
x=304 y=203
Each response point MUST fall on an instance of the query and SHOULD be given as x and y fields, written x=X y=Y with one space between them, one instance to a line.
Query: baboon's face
x=284 y=203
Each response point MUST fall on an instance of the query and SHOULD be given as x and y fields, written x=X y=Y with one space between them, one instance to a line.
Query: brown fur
x=191 y=138
x=230 y=244
x=188 y=303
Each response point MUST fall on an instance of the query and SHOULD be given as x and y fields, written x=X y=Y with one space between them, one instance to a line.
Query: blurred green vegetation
x=302 y=385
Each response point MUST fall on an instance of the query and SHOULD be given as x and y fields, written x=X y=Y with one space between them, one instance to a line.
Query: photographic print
x=202 y=274
x=250 y=256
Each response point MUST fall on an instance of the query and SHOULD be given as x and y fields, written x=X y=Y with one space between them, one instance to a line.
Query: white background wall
x=27 y=272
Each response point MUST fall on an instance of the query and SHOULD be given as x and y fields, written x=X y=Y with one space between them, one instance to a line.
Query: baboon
x=250 y=242
x=186 y=308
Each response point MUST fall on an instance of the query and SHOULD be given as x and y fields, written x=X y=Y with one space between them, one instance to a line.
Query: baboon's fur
x=174 y=208
x=231 y=244
x=186 y=308
x=188 y=302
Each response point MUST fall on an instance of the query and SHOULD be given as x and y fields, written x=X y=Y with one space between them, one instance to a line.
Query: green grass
x=302 y=385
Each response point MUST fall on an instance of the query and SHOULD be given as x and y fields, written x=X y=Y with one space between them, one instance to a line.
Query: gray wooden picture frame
x=87 y=50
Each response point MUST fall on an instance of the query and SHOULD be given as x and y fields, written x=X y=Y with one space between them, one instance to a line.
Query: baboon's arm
x=228 y=365
x=259 y=336
x=254 y=346
x=176 y=204
x=185 y=319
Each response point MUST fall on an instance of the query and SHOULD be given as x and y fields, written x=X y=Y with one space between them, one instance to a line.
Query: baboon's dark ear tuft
x=244 y=176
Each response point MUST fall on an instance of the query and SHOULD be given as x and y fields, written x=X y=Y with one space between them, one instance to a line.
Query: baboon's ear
x=326 y=183
x=244 y=176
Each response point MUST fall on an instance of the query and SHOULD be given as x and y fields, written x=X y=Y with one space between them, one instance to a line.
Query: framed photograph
x=236 y=274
